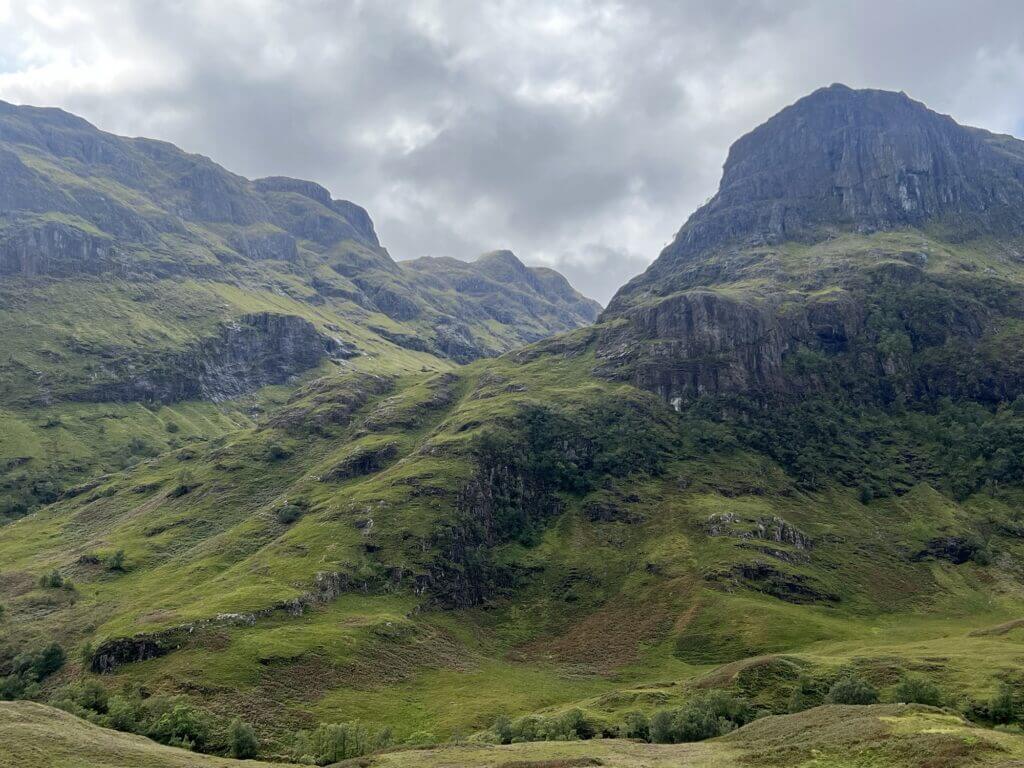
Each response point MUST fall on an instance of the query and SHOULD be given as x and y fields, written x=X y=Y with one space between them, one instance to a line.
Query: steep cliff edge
x=856 y=233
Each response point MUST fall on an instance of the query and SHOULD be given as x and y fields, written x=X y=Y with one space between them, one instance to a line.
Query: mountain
x=856 y=231
x=783 y=469
x=146 y=292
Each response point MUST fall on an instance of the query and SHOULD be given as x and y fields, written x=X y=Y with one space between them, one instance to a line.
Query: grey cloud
x=579 y=133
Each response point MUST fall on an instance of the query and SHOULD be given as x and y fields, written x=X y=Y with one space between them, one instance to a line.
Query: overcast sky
x=578 y=134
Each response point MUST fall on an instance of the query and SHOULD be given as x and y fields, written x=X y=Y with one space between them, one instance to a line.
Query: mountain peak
x=843 y=159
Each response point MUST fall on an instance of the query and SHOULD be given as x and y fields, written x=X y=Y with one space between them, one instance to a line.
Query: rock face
x=850 y=160
x=256 y=351
x=498 y=287
x=170 y=192
x=56 y=249
x=734 y=302
x=76 y=202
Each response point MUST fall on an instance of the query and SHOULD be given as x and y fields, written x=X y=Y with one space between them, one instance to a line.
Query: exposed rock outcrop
x=733 y=307
x=854 y=160
x=57 y=250
x=365 y=461
x=767 y=528
x=255 y=351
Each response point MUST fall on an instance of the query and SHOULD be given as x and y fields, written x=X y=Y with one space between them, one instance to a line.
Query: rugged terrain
x=147 y=295
x=788 y=454
x=828 y=736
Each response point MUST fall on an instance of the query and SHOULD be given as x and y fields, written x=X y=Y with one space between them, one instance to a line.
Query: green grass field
x=884 y=736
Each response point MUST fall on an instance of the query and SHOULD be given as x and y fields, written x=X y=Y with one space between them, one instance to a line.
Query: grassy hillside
x=131 y=273
x=787 y=475
x=35 y=736
x=522 y=536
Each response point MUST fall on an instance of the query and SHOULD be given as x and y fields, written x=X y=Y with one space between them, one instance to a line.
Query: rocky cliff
x=855 y=235
x=844 y=160
x=252 y=352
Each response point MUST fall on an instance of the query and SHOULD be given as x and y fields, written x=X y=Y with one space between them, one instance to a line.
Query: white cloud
x=580 y=133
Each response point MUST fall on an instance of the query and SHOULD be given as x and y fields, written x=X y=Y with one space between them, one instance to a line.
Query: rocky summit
x=856 y=226
x=270 y=493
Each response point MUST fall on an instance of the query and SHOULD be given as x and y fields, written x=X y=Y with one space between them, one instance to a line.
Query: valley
x=448 y=506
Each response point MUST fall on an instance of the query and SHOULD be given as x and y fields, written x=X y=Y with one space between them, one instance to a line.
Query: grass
x=640 y=610
x=36 y=736
x=881 y=736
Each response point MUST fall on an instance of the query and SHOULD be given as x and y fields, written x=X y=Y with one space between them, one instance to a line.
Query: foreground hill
x=147 y=295
x=783 y=460
x=35 y=736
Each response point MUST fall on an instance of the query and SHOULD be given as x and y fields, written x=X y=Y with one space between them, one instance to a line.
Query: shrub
x=115 y=561
x=805 y=695
x=711 y=715
x=90 y=695
x=636 y=726
x=242 y=740
x=172 y=427
x=288 y=514
x=51 y=580
x=914 y=689
x=277 y=452
x=181 y=725
x=1002 y=708
x=28 y=669
x=333 y=742
x=122 y=714
x=852 y=690
x=83 y=699
x=502 y=729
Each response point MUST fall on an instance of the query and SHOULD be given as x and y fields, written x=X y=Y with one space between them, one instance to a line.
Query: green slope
x=35 y=736
x=770 y=467
x=604 y=576
x=125 y=261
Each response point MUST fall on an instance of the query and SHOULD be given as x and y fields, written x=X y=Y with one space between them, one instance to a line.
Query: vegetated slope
x=35 y=736
x=756 y=474
x=134 y=273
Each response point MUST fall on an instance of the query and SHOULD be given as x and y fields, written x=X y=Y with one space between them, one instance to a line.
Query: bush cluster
x=169 y=720
x=708 y=716
x=852 y=690
x=28 y=669
x=569 y=726
x=333 y=742
x=705 y=717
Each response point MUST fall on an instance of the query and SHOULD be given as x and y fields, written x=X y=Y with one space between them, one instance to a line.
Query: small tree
x=288 y=513
x=115 y=562
x=662 y=731
x=914 y=689
x=242 y=740
x=852 y=690
x=502 y=729
x=1002 y=708
x=51 y=580
x=636 y=726
x=182 y=725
